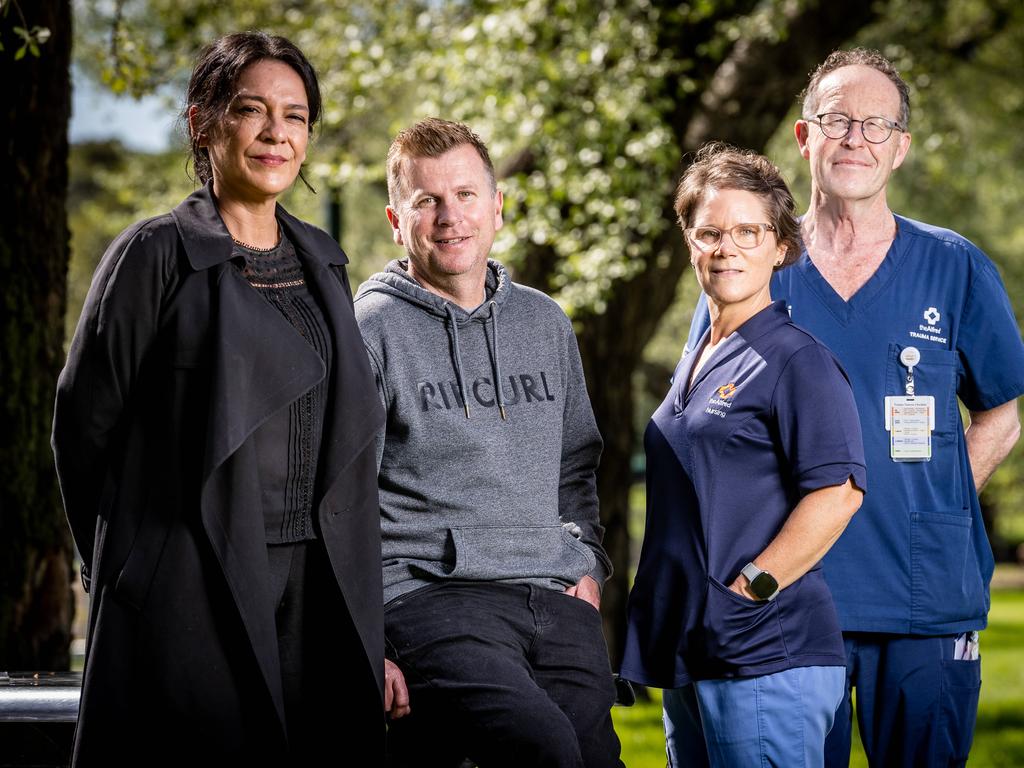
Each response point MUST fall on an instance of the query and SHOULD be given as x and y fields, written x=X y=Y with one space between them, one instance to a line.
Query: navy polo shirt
x=769 y=418
x=915 y=559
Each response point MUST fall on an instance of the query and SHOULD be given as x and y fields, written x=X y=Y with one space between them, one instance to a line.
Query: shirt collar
x=208 y=242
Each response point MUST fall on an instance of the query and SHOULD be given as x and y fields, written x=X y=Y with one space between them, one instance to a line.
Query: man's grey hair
x=865 y=57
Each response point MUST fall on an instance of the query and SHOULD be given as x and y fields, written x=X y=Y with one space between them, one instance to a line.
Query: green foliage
x=109 y=188
x=31 y=37
x=576 y=88
x=571 y=97
x=641 y=732
x=575 y=98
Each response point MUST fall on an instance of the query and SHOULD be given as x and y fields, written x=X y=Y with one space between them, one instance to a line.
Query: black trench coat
x=175 y=363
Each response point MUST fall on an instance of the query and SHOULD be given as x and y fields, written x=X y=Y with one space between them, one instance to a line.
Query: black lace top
x=288 y=444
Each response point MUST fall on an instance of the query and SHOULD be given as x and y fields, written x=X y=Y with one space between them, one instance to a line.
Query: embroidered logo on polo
x=522 y=387
x=930 y=329
x=726 y=390
x=721 y=401
x=717 y=388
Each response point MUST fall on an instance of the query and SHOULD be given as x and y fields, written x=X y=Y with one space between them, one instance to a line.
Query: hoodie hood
x=396 y=281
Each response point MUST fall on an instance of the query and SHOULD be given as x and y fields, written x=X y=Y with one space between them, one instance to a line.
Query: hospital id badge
x=909 y=421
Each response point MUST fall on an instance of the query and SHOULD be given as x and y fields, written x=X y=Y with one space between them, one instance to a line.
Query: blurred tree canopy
x=590 y=108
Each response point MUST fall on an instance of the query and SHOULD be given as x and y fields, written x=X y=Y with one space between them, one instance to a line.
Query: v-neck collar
x=847 y=311
x=772 y=316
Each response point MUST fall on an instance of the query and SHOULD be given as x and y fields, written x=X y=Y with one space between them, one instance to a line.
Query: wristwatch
x=762 y=584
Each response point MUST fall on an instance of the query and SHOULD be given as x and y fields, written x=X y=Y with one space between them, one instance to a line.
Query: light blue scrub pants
x=771 y=720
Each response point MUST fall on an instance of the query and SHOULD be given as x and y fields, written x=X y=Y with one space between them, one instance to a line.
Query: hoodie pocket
x=538 y=552
x=740 y=632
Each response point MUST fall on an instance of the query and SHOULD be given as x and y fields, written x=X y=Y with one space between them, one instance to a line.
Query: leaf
x=34 y=48
x=20 y=53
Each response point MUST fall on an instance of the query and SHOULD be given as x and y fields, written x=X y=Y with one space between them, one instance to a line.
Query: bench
x=38 y=711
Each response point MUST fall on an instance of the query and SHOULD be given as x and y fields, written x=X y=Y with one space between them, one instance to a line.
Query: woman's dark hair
x=214 y=82
x=720 y=166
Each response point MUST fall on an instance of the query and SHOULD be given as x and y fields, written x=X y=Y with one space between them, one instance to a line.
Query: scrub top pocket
x=935 y=375
x=740 y=633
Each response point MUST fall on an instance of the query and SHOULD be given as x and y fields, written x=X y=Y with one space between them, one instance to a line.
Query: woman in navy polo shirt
x=754 y=467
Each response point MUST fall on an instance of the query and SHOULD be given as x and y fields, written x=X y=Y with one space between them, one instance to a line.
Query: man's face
x=851 y=168
x=447 y=217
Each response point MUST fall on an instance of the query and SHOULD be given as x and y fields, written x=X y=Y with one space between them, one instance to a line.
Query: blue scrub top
x=915 y=559
x=769 y=418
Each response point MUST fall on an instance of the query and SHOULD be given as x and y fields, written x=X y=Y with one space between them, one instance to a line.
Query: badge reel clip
x=910 y=419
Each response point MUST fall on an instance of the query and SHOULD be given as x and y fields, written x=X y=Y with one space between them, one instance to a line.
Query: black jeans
x=504 y=674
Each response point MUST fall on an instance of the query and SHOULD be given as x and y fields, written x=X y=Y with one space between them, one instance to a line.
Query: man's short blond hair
x=431 y=137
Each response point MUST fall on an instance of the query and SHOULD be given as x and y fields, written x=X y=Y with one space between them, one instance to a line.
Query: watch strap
x=752 y=572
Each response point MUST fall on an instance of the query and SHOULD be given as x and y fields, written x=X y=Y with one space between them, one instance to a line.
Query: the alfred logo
x=929 y=330
x=522 y=387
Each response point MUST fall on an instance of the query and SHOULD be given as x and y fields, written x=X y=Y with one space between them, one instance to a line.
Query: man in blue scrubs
x=918 y=317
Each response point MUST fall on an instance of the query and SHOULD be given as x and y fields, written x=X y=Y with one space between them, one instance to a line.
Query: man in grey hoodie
x=492 y=554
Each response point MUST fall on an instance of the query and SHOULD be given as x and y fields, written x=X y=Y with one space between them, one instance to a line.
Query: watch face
x=764 y=585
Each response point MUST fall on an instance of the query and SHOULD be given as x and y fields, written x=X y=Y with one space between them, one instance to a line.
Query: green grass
x=998 y=739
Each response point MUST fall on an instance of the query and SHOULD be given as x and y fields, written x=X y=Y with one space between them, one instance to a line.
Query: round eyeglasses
x=744 y=235
x=875 y=130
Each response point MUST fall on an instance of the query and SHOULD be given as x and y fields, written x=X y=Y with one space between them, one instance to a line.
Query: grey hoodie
x=468 y=493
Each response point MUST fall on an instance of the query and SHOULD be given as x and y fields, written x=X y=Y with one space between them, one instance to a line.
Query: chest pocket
x=936 y=375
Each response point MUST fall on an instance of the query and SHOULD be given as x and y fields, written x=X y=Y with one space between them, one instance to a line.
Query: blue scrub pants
x=779 y=719
x=916 y=704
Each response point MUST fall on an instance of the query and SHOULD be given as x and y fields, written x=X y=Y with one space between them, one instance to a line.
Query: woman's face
x=727 y=273
x=259 y=146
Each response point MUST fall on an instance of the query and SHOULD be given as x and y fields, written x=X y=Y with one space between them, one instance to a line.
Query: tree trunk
x=36 y=604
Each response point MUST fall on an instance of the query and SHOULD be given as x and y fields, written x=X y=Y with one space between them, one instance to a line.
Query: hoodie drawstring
x=495 y=362
x=453 y=334
x=453 y=331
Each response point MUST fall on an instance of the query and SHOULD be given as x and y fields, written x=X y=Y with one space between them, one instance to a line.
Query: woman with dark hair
x=213 y=436
x=754 y=467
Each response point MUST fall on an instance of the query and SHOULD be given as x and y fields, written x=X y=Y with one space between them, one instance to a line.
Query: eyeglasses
x=744 y=235
x=875 y=130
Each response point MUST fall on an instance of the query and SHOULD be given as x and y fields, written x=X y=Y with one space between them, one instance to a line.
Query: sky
x=96 y=113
